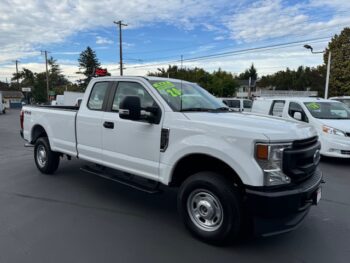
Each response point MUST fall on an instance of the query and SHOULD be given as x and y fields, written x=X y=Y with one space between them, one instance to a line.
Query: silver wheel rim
x=41 y=156
x=205 y=210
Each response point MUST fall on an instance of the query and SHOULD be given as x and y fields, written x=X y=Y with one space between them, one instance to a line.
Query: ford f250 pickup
x=230 y=168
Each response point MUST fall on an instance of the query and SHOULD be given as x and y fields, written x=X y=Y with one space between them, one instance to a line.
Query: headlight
x=330 y=130
x=269 y=158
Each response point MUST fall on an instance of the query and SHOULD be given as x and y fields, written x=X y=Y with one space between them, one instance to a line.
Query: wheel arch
x=198 y=162
x=38 y=131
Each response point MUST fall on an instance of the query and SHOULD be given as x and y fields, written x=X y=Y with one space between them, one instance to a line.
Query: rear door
x=131 y=146
x=90 y=120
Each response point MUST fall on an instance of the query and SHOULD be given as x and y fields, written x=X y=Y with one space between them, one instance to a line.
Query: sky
x=269 y=33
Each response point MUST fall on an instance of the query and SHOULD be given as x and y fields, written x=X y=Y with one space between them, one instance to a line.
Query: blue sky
x=160 y=32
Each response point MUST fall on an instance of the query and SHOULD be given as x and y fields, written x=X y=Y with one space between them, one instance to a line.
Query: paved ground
x=76 y=217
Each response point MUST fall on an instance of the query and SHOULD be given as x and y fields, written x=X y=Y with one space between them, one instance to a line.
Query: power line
x=241 y=51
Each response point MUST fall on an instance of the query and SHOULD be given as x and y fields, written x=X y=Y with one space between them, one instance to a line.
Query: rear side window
x=97 y=96
x=233 y=103
x=277 y=108
x=247 y=104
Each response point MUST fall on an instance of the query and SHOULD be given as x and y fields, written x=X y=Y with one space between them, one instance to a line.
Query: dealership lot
x=76 y=217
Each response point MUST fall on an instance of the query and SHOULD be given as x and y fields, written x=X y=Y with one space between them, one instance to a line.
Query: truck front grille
x=299 y=161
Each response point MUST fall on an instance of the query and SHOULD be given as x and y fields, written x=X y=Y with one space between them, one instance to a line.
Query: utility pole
x=16 y=61
x=47 y=75
x=120 y=24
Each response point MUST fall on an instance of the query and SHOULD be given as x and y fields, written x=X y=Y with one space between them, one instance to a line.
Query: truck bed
x=57 y=121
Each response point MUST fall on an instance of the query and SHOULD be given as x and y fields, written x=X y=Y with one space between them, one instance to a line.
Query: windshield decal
x=313 y=106
x=168 y=87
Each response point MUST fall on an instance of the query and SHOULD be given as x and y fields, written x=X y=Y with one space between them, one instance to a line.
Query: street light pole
x=328 y=67
x=328 y=73
x=120 y=24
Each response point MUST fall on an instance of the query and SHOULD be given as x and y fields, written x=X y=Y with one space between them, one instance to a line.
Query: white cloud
x=25 y=25
x=268 y=19
x=103 y=41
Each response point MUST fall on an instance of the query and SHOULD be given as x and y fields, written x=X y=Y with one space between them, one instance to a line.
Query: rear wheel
x=46 y=160
x=210 y=207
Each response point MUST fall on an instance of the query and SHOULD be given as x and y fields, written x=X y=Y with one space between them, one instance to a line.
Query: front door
x=131 y=146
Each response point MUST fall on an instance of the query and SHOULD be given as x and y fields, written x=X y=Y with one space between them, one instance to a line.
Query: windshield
x=187 y=96
x=345 y=101
x=328 y=110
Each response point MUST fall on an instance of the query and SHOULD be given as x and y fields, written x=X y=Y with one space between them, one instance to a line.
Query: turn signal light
x=262 y=151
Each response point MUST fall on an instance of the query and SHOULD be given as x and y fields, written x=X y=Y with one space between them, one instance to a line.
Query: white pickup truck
x=232 y=169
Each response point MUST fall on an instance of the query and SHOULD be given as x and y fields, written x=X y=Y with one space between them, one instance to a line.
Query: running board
x=133 y=181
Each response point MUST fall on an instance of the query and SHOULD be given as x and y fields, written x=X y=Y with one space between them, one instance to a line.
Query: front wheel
x=210 y=207
x=46 y=160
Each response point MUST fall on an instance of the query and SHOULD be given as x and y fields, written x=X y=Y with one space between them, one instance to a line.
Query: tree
x=339 y=82
x=88 y=61
x=56 y=78
x=249 y=73
x=220 y=83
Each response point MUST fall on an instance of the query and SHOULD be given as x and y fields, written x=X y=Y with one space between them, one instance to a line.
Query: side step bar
x=133 y=181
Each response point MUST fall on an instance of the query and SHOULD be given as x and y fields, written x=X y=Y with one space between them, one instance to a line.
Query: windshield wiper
x=207 y=109
x=197 y=109
x=220 y=109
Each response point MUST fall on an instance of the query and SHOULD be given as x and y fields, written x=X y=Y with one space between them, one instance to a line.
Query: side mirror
x=130 y=108
x=297 y=115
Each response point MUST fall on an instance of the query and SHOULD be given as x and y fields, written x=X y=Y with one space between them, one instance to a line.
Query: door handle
x=108 y=125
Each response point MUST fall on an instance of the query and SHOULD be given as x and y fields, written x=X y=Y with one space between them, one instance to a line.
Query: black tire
x=50 y=163
x=223 y=195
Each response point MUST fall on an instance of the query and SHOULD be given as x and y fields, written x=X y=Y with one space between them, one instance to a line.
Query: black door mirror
x=130 y=108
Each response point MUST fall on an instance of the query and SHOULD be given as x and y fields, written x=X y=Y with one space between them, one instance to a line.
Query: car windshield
x=345 y=101
x=328 y=110
x=187 y=96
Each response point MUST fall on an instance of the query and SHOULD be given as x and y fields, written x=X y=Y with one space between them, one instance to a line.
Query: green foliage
x=300 y=79
x=339 y=82
x=56 y=78
x=88 y=61
x=220 y=83
x=249 y=73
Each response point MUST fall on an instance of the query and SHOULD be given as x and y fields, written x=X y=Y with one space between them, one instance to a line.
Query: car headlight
x=269 y=158
x=333 y=131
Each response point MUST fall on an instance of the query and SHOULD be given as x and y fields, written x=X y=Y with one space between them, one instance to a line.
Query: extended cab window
x=97 y=95
x=132 y=89
x=295 y=107
x=277 y=108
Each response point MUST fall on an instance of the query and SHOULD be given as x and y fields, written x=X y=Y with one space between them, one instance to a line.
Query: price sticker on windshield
x=313 y=106
x=168 y=87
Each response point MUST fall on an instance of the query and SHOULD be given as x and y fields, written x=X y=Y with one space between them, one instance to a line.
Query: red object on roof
x=101 y=72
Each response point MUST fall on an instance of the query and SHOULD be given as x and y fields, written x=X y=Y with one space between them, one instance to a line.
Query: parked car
x=148 y=131
x=237 y=104
x=343 y=99
x=2 y=105
x=330 y=118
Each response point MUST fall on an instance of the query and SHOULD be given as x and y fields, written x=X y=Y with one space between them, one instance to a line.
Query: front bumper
x=335 y=146
x=281 y=210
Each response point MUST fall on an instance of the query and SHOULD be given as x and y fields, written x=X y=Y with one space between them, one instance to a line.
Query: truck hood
x=343 y=125
x=274 y=128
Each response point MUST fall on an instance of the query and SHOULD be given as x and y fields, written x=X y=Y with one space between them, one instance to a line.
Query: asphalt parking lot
x=77 y=217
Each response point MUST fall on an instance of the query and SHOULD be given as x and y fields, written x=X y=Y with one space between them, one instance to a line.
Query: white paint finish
x=328 y=141
x=134 y=146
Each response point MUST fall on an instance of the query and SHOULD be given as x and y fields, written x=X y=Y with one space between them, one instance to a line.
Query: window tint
x=132 y=89
x=277 y=108
x=247 y=104
x=295 y=107
x=97 y=96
